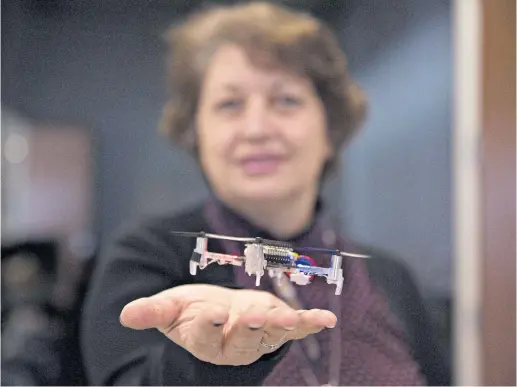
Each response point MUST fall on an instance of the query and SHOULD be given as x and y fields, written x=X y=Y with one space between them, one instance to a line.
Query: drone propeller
x=215 y=236
x=266 y=242
x=232 y=238
x=353 y=255
x=250 y=240
x=332 y=251
x=188 y=234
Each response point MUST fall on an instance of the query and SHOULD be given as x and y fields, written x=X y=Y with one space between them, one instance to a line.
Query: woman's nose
x=256 y=125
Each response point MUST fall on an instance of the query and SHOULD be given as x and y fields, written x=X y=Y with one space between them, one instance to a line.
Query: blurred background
x=82 y=93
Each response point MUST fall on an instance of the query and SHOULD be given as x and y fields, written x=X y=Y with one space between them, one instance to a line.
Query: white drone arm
x=224 y=259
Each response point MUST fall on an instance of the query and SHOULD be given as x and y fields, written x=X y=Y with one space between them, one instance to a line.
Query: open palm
x=224 y=326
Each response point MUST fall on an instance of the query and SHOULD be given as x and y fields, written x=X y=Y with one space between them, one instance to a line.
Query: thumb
x=150 y=312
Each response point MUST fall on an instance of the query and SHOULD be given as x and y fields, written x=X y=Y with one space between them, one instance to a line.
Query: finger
x=244 y=336
x=280 y=321
x=311 y=322
x=205 y=336
x=150 y=312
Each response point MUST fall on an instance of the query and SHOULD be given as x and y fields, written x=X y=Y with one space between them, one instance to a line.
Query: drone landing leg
x=335 y=275
x=198 y=258
x=193 y=267
x=255 y=261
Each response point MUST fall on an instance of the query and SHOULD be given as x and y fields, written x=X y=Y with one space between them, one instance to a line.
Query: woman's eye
x=228 y=104
x=288 y=101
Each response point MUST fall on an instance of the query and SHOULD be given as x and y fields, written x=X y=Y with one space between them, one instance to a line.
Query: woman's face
x=261 y=133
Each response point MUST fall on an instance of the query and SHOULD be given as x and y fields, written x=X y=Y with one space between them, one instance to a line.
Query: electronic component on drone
x=276 y=257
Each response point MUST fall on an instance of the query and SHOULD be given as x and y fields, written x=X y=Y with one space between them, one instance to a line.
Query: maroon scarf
x=373 y=350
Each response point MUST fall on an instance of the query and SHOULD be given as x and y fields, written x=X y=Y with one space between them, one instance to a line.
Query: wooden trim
x=498 y=193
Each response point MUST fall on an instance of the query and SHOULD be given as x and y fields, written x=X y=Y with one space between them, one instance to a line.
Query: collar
x=225 y=220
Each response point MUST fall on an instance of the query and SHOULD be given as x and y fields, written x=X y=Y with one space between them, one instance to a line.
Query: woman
x=262 y=98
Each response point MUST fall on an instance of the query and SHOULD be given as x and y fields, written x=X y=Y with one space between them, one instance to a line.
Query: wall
x=396 y=192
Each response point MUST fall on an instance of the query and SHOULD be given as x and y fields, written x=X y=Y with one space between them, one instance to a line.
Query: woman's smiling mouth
x=261 y=164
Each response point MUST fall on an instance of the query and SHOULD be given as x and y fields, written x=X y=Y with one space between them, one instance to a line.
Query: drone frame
x=276 y=257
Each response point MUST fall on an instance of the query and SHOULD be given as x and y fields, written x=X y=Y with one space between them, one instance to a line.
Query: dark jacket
x=145 y=260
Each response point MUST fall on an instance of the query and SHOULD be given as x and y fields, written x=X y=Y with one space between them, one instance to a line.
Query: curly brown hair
x=273 y=36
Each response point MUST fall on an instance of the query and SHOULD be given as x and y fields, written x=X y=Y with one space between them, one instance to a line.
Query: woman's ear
x=191 y=137
x=329 y=150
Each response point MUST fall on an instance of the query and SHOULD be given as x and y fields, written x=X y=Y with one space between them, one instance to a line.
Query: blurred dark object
x=48 y=194
x=47 y=245
x=28 y=274
x=39 y=338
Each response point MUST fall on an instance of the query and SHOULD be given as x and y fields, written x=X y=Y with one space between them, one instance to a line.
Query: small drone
x=276 y=257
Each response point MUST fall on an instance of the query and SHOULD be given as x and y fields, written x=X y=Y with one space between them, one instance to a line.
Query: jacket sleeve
x=139 y=264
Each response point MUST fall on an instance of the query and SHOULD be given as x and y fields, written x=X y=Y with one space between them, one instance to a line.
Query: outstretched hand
x=224 y=326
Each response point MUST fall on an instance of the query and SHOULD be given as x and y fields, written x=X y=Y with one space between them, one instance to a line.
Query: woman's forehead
x=232 y=67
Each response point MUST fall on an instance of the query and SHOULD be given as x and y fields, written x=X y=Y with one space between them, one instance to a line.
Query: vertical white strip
x=467 y=35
